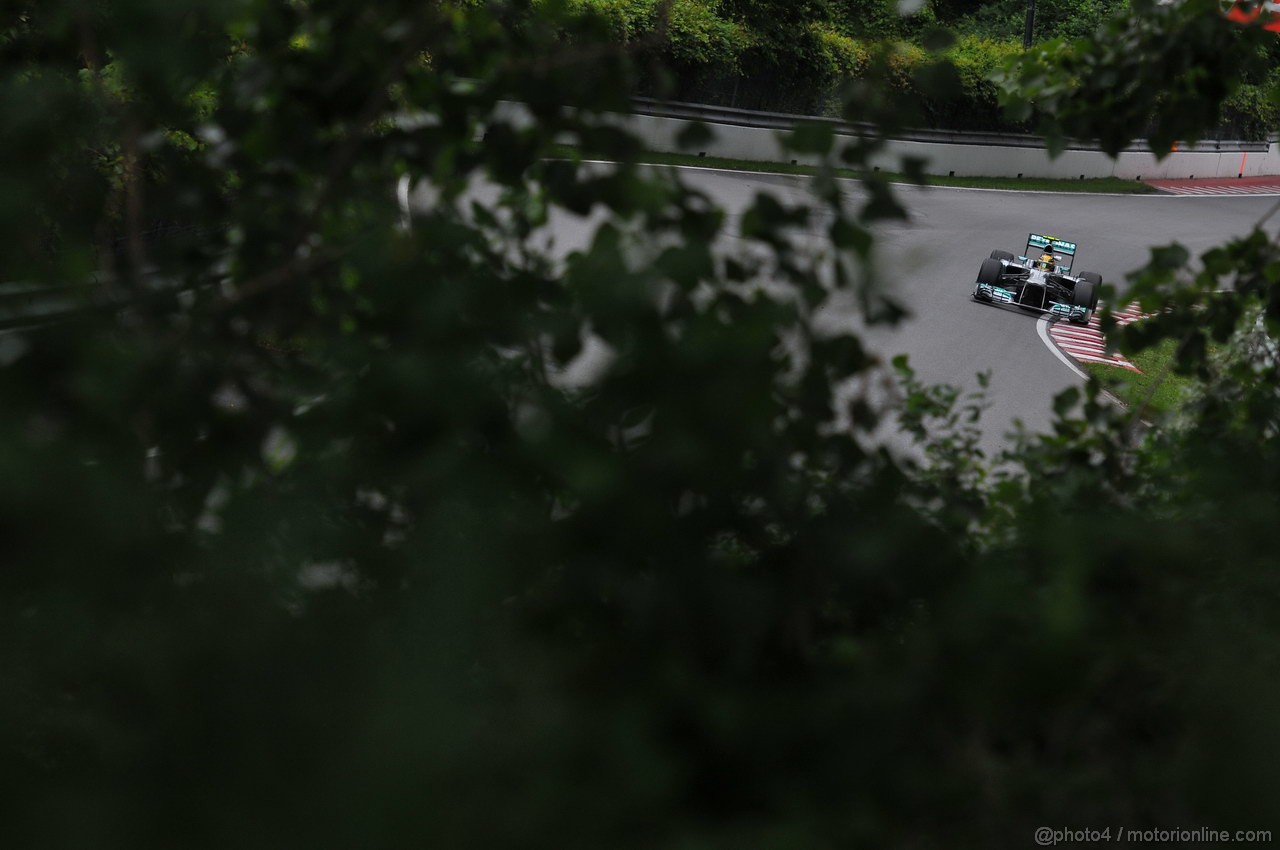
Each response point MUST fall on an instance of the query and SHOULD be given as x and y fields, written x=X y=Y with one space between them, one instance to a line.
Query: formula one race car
x=1041 y=280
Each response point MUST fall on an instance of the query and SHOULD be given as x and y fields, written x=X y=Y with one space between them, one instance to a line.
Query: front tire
x=1095 y=285
x=1001 y=255
x=989 y=272
x=1084 y=296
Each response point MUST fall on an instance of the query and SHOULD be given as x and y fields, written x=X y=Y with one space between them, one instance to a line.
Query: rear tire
x=1001 y=255
x=989 y=272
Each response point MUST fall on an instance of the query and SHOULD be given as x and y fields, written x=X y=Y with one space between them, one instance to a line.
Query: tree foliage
x=321 y=527
x=688 y=31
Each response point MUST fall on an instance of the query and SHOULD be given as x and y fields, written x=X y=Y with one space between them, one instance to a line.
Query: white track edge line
x=1042 y=327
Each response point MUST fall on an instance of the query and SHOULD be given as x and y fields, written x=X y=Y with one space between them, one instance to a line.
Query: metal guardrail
x=25 y=305
x=784 y=121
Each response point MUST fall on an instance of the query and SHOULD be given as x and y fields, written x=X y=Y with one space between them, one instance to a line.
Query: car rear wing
x=1064 y=252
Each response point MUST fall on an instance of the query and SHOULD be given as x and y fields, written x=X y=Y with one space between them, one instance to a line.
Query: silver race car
x=1040 y=280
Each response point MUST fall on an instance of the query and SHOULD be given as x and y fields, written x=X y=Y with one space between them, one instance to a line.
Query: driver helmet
x=1047 y=261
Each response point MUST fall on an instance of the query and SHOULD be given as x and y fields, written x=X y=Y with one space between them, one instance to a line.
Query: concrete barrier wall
x=963 y=160
x=738 y=141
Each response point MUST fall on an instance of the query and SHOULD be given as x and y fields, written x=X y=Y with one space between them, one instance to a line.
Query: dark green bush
x=1005 y=19
x=950 y=90
x=881 y=19
x=693 y=31
x=1252 y=112
x=786 y=57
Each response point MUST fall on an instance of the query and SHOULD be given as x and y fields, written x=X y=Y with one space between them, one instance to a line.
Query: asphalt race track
x=950 y=337
x=931 y=261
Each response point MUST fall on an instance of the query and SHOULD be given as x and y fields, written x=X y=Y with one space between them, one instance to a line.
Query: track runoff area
x=1261 y=186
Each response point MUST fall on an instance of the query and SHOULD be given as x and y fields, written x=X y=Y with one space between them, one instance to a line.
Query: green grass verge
x=1112 y=185
x=1160 y=390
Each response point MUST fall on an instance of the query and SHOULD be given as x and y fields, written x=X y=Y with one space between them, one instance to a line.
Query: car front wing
x=1001 y=295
